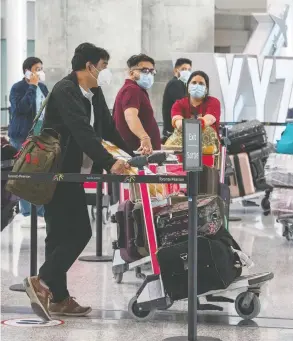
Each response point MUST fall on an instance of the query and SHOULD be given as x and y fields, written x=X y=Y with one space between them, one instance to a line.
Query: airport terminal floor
x=93 y=284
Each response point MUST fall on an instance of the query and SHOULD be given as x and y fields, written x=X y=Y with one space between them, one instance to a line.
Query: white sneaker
x=26 y=222
x=41 y=222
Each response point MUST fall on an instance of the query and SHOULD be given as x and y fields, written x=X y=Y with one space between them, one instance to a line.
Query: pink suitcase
x=241 y=181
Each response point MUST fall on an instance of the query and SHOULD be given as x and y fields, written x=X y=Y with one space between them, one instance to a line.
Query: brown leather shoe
x=68 y=307
x=39 y=295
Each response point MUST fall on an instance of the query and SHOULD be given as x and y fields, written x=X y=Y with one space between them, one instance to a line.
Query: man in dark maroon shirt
x=133 y=113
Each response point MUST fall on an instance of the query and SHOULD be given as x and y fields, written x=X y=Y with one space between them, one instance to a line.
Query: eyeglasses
x=146 y=71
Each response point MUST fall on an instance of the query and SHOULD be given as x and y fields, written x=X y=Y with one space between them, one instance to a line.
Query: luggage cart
x=170 y=166
x=152 y=296
x=248 y=200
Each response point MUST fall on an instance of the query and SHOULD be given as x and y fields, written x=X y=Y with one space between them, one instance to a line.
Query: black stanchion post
x=33 y=249
x=34 y=241
x=192 y=162
x=99 y=231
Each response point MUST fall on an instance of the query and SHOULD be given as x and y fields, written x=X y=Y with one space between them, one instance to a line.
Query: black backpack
x=218 y=264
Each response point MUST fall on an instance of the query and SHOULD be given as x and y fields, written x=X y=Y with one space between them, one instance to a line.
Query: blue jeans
x=25 y=206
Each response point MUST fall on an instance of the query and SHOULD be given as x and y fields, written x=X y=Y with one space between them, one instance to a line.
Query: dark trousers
x=68 y=232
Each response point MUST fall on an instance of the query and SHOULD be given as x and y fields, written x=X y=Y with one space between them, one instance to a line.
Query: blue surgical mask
x=145 y=80
x=184 y=75
x=197 y=90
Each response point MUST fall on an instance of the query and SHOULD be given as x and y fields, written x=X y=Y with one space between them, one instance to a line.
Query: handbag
x=210 y=141
x=172 y=221
x=39 y=154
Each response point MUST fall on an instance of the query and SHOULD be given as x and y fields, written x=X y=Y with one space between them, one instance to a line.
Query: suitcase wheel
x=137 y=313
x=266 y=206
x=113 y=219
x=288 y=231
x=247 y=305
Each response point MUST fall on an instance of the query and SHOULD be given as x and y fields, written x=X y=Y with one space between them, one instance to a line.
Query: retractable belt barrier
x=269 y=124
x=79 y=178
x=73 y=177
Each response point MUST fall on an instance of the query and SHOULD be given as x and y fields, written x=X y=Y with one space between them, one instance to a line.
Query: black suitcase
x=258 y=159
x=246 y=137
x=218 y=265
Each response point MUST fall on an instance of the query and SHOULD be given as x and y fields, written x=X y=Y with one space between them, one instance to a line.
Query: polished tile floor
x=92 y=284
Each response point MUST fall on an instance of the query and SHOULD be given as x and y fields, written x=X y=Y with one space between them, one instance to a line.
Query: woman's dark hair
x=30 y=62
x=136 y=59
x=204 y=76
x=182 y=61
x=87 y=52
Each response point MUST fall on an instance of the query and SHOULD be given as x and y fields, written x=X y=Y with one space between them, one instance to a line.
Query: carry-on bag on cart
x=210 y=145
x=172 y=221
x=242 y=181
x=125 y=232
x=258 y=159
x=218 y=264
x=246 y=137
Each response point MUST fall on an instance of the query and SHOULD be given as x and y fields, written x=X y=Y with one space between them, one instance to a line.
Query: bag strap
x=44 y=104
x=38 y=115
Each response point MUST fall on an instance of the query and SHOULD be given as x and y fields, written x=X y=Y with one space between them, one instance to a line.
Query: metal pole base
x=235 y=219
x=17 y=287
x=185 y=338
x=98 y=259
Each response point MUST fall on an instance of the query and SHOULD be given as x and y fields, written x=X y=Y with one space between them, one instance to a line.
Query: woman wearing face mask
x=197 y=104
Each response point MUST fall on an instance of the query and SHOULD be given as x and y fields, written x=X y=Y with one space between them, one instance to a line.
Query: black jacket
x=68 y=112
x=175 y=89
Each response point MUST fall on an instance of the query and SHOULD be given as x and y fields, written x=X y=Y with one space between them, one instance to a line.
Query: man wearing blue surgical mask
x=175 y=90
x=133 y=113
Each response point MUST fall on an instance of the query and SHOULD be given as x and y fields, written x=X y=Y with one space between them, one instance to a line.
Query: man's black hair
x=30 y=62
x=138 y=58
x=204 y=76
x=182 y=61
x=87 y=52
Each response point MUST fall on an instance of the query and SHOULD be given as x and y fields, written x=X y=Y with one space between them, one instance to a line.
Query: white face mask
x=184 y=75
x=104 y=77
x=42 y=76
